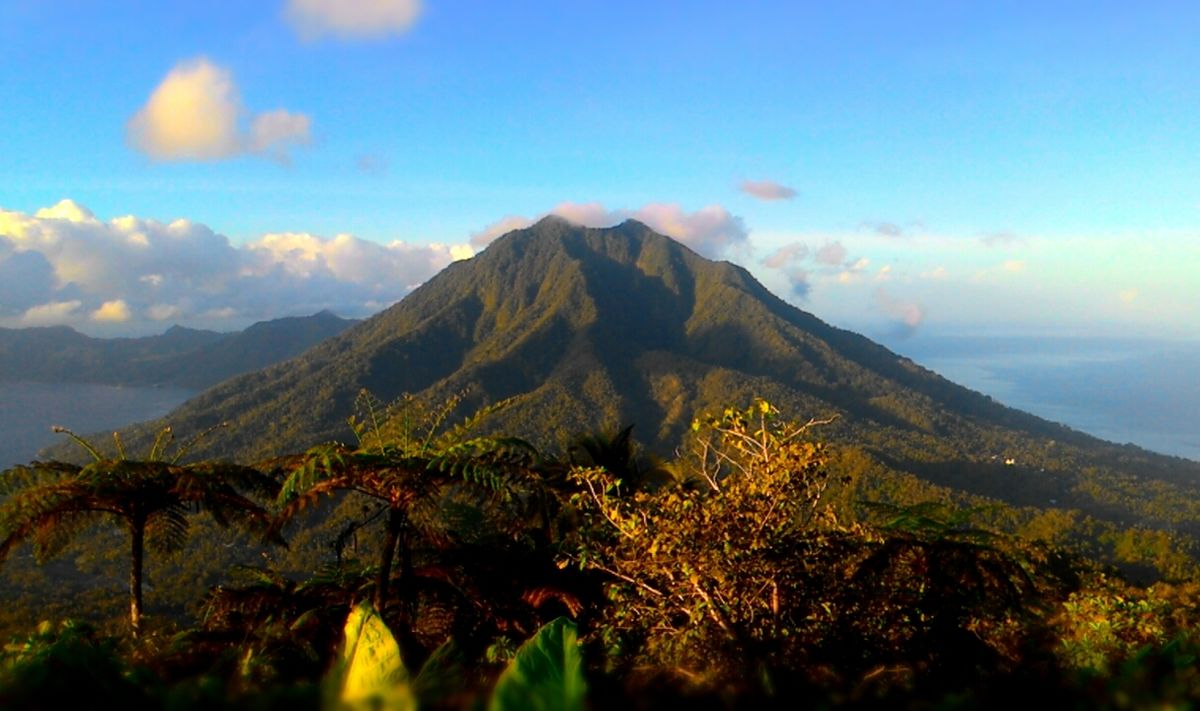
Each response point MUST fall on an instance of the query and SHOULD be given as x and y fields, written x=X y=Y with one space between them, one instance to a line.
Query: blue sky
x=957 y=167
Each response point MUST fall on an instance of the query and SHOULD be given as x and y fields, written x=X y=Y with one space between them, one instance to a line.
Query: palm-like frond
x=460 y=432
x=167 y=530
x=51 y=503
x=48 y=515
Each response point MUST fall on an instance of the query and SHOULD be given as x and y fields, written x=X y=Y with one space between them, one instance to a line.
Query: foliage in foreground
x=50 y=503
x=742 y=577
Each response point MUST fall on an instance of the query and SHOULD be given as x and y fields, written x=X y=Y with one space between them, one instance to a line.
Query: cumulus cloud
x=26 y=279
x=767 y=190
x=500 y=227
x=794 y=252
x=712 y=231
x=115 y=311
x=195 y=113
x=906 y=316
x=829 y=263
x=798 y=282
x=51 y=313
x=274 y=132
x=62 y=265
x=352 y=19
x=831 y=254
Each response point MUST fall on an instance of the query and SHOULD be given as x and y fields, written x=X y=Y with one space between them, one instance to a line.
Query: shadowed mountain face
x=590 y=328
x=180 y=357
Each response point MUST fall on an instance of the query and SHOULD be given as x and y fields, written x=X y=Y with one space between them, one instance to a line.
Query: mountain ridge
x=587 y=329
x=180 y=356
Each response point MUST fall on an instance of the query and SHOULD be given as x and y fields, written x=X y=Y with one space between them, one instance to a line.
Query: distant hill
x=591 y=328
x=181 y=357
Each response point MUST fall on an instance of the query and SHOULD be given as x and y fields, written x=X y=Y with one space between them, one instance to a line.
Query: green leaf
x=372 y=674
x=441 y=677
x=546 y=674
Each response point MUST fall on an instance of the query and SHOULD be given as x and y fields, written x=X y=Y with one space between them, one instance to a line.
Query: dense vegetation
x=600 y=326
x=440 y=564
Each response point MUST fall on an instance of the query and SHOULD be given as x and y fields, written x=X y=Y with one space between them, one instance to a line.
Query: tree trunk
x=394 y=523
x=407 y=602
x=137 y=535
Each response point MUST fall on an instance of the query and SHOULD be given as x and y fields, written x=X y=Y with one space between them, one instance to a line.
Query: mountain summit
x=588 y=329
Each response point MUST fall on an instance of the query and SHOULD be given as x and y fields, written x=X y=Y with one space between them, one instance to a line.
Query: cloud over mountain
x=195 y=113
x=62 y=265
x=711 y=231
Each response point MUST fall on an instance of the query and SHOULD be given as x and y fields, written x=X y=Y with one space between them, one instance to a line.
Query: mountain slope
x=62 y=354
x=590 y=328
x=181 y=357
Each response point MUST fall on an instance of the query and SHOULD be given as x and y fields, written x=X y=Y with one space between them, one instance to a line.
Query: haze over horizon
x=936 y=167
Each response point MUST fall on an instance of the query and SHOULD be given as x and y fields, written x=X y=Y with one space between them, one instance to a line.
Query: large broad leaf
x=546 y=674
x=372 y=673
x=442 y=677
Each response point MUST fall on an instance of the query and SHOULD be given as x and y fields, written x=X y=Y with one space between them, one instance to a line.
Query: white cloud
x=274 y=132
x=191 y=115
x=352 y=19
x=195 y=113
x=792 y=252
x=61 y=265
x=712 y=231
x=51 y=313
x=500 y=227
x=831 y=254
x=767 y=190
x=115 y=311
x=163 y=312
x=66 y=210
x=906 y=315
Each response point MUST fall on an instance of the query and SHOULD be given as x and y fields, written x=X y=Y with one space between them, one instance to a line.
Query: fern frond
x=458 y=433
x=78 y=440
x=167 y=530
x=192 y=441
x=439 y=417
x=119 y=444
x=52 y=533
x=165 y=436
x=316 y=464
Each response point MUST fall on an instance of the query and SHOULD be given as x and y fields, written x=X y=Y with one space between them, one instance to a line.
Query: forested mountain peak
x=585 y=330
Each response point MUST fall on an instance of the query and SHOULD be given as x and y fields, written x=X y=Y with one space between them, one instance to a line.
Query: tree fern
x=406 y=459
x=51 y=503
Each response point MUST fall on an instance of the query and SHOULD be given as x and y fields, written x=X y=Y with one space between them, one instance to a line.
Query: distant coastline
x=1142 y=392
x=29 y=410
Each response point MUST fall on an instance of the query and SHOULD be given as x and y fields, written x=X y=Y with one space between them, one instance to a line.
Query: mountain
x=182 y=357
x=258 y=346
x=591 y=328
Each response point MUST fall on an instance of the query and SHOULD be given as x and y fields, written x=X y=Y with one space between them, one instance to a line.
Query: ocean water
x=1125 y=391
x=29 y=410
